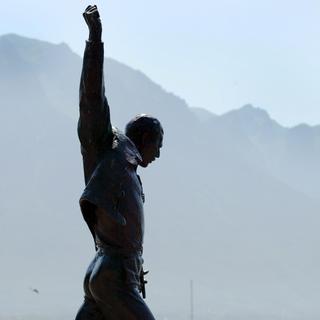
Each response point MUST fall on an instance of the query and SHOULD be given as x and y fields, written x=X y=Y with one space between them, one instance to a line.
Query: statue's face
x=150 y=149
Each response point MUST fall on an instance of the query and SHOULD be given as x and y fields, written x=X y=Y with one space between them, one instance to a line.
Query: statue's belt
x=120 y=252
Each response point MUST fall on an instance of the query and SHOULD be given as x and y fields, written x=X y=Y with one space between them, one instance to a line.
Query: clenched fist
x=92 y=18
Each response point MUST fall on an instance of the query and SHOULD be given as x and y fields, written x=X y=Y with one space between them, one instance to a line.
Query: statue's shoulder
x=123 y=149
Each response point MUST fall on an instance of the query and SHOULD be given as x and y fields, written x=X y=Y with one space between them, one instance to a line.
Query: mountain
x=203 y=115
x=291 y=154
x=224 y=207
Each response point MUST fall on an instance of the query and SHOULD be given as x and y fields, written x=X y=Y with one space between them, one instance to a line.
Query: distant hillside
x=232 y=203
x=290 y=154
x=203 y=115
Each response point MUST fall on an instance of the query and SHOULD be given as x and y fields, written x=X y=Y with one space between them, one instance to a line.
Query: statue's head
x=146 y=133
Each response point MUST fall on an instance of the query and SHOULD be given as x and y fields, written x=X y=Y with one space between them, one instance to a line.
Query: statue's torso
x=115 y=190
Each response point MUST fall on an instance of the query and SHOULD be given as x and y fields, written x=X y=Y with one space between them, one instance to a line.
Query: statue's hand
x=92 y=18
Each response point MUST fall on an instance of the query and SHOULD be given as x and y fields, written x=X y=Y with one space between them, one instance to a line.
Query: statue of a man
x=112 y=202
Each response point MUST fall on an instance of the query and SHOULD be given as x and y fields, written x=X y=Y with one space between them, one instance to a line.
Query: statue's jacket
x=112 y=201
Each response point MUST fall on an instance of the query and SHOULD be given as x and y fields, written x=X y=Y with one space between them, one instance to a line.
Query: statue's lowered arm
x=94 y=127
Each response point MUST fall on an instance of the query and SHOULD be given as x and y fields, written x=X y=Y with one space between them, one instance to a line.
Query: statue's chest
x=131 y=197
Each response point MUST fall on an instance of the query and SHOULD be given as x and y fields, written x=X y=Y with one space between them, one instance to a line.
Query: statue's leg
x=89 y=311
x=116 y=299
x=123 y=303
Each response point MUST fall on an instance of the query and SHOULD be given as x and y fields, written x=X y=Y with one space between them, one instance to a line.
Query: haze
x=214 y=54
x=233 y=203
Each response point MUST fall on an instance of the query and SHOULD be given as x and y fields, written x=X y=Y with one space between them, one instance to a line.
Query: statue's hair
x=141 y=124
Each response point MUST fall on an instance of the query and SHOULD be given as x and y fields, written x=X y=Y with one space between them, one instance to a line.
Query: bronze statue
x=112 y=202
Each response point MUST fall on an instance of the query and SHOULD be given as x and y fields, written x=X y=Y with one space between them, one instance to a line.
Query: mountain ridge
x=64 y=48
x=216 y=201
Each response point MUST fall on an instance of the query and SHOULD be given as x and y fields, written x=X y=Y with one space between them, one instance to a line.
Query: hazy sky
x=215 y=54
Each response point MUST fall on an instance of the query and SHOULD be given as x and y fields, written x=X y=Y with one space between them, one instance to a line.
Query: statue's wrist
x=95 y=36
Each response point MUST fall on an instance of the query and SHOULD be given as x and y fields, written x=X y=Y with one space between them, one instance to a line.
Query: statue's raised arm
x=112 y=200
x=94 y=128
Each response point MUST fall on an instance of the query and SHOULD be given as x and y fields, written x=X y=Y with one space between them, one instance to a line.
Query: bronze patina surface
x=112 y=201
